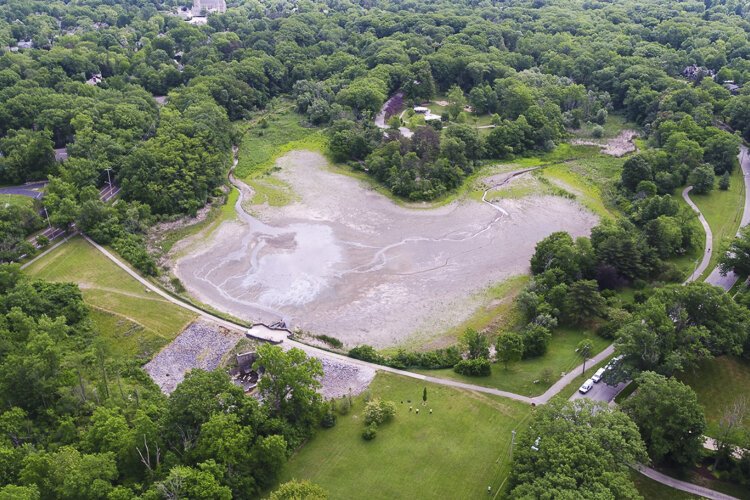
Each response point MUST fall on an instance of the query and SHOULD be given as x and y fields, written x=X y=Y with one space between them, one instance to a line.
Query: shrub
x=370 y=432
x=546 y=376
x=601 y=116
x=366 y=353
x=42 y=240
x=378 y=411
x=331 y=341
x=724 y=181
x=479 y=367
x=535 y=340
x=597 y=131
x=328 y=420
x=344 y=406
x=133 y=249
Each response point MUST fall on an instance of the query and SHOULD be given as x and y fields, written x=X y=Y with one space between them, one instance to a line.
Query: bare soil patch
x=618 y=146
x=345 y=261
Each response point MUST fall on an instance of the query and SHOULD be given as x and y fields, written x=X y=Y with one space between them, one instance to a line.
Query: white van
x=586 y=387
x=598 y=375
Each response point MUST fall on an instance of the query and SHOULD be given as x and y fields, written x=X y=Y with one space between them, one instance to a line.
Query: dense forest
x=132 y=92
x=84 y=76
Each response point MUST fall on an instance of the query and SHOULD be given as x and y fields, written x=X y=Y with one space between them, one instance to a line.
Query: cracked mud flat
x=348 y=262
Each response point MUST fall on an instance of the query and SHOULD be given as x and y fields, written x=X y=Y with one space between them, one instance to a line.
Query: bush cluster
x=479 y=367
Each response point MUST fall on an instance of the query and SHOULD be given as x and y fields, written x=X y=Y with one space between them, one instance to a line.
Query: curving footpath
x=709 y=237
x=682 y=485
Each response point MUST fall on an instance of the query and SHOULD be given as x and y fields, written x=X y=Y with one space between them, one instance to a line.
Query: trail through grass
x=111 y=290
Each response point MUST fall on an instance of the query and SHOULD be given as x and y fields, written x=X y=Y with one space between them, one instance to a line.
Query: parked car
x=613 y=362
x=586 y=387
x=598 y=375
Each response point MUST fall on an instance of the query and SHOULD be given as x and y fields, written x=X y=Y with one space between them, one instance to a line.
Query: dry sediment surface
x=200 y=345
x=618 y=146
x=346 y=261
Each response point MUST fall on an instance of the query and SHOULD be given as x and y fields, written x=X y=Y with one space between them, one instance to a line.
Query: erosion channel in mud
x=346 y=261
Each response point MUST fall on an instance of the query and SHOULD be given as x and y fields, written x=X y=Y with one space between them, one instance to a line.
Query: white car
x=586 y=387
x=598 y=375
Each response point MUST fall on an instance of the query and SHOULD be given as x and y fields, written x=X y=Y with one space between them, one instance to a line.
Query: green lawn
x=718 y=383
x=519 y=378
x=16 y=200
x=723 y=212
x=111 y=290
x=454 y=453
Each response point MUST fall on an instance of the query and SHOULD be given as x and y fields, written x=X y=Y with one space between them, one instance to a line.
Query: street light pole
x=109 y=179
x=512 y=442
x=47 y=216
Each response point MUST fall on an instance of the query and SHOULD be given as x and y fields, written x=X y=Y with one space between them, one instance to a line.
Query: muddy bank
x=618 y=146
x=346 y=261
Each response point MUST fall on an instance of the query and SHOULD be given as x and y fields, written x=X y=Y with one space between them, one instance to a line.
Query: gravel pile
x=340 y=378
x=200 y=345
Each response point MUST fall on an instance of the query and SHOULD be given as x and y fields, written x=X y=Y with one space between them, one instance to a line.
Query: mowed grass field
x=718 y=383
x=723 y=212
x=16 y=200
x=519 y=377
x=455 y=453
x=138 y=320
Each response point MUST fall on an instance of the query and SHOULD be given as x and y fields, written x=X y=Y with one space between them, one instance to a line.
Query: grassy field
x=16 y=200
x=111 y=291
x=718 y=383
x=519 y=378
x=454 y=453
x=723 y=212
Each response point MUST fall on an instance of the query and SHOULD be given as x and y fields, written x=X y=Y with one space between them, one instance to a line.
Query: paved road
x=709 y=237
x=32 y=189
x=728 y=281
x=682 y=485
x=601 y=392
